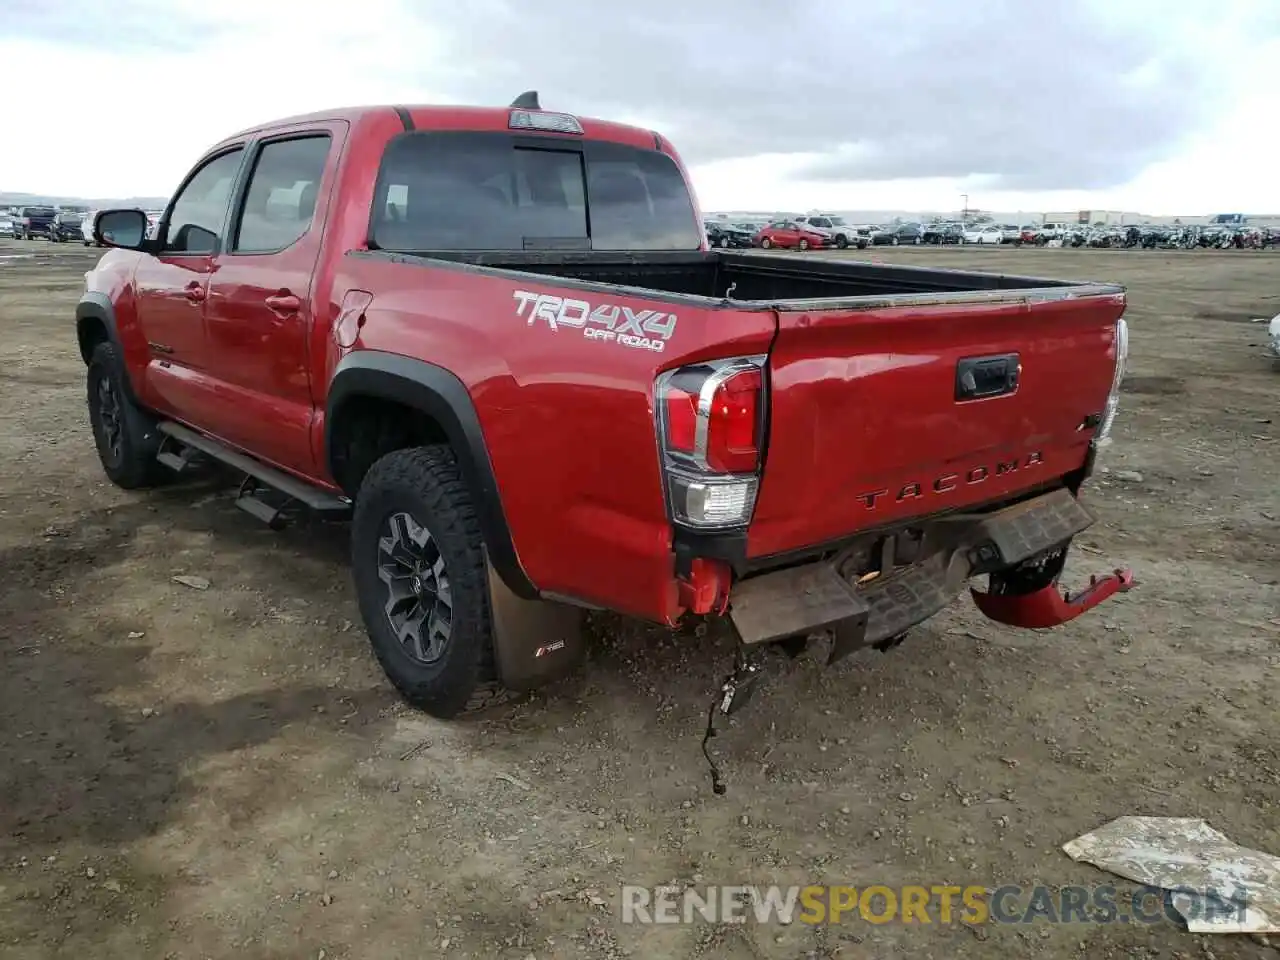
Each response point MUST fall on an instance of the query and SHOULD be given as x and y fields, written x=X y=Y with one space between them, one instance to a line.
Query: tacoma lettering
x=950 y=482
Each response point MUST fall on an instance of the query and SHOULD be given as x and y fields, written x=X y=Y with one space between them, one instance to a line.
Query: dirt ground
x=224 y=772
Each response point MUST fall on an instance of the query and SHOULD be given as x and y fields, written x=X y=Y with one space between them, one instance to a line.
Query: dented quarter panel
x=567 y=417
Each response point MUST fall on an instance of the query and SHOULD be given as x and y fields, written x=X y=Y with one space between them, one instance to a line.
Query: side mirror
x=121 y=228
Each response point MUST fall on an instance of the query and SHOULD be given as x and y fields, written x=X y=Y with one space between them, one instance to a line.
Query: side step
x=180 y=459
x=258 y=473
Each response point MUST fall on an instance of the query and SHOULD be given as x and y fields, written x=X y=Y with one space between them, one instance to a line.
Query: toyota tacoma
x=496 y=341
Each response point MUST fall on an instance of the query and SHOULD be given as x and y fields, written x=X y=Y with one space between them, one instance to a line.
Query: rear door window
x=281 y=200
x=491 y=191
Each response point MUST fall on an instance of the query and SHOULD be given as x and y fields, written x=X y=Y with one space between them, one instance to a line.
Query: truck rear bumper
x=822 y=596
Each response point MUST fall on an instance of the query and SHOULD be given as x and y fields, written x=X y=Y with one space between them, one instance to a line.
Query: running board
x=318 y=500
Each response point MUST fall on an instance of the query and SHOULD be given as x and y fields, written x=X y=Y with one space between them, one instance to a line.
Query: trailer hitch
x=1045 y=607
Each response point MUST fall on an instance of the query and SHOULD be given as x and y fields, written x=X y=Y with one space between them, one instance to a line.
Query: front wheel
x=126 y=437
x=803 y=244
x=766 y=243
x=842 y=242
x=421 y=581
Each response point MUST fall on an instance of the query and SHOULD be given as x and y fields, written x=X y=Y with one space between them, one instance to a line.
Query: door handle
x=981 y=377
x=283 y=303
x=194 y=292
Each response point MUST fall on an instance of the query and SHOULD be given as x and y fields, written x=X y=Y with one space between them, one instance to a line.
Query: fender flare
x=96 y=309
x=439 y=394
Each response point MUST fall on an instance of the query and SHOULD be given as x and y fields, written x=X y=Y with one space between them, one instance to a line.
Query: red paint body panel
x=1046 y=607
x=859 y=400
x=863 y=403
x=568 y=422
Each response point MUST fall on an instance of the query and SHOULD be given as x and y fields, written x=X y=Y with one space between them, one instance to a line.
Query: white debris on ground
x=1273 y=334
x=1196 y=864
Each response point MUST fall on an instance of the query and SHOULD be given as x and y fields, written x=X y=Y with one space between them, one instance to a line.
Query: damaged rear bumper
x=826 y=596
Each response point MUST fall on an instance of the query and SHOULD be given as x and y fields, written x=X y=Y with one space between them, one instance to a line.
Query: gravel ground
x=223 y=772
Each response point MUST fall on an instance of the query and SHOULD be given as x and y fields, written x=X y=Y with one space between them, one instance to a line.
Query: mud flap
x=535 y=641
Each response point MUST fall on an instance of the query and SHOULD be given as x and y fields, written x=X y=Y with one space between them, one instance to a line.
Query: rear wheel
x=126 y=437
x=422 y=584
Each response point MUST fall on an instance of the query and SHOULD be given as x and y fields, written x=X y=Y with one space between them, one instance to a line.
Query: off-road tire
x=132 y=465
x=425 y=482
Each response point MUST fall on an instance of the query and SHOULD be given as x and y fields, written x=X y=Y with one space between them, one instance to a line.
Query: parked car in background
x=983 y=233
x=153 y=221
x=790 y=235
x=1010 y=233
x=8 y=226
x=907 y=233
x=723 y=234
x=842 y=234
x=1027 y=234
x=942 y=233
x=36 y=222
x=66 y=226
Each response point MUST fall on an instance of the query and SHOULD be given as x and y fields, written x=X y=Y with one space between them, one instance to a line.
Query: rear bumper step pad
x=799 y=600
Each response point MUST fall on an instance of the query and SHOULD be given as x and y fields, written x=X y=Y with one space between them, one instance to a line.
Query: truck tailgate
x=878 y=415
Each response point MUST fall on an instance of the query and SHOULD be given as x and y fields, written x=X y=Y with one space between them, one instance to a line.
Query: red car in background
x=788 y=234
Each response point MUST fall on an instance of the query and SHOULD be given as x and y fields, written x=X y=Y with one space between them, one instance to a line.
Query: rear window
x=38 y=211
x=492 y=191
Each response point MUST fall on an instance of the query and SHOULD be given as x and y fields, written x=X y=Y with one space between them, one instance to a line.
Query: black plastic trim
x=443 y=397
x=406 y=120
x=974 y=376
x=729 y=546
x=93 y=309
x=774 y=561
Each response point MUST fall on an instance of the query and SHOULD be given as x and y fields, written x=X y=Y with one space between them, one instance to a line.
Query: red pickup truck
x=497 y=339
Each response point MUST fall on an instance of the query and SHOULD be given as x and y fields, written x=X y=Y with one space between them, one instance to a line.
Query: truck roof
x=455 y=117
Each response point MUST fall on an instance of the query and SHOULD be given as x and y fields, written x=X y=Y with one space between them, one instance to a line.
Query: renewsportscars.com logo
x=606 y=322
x=941 y=904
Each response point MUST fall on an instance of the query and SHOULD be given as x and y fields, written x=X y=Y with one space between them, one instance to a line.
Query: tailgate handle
x=980 y=377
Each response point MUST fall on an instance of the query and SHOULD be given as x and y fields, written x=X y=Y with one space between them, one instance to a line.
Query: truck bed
x=716 y=276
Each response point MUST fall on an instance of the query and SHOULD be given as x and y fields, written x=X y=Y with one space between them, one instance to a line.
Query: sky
x=1158 y=106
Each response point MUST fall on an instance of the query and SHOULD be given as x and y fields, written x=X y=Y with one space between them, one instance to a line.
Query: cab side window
x=198 y=212
x=281 y=200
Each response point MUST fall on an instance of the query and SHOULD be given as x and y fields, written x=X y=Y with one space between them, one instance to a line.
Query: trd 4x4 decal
x=608 y=322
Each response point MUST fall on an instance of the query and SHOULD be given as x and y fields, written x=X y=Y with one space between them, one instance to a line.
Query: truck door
x=259 y=313
x=172 y=285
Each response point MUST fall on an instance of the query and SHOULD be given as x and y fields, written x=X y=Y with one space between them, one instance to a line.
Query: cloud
x=1025 y=95
x=770 y=102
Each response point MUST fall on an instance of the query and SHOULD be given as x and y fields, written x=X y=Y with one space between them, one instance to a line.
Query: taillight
x=1103 y=437
x=710 y=429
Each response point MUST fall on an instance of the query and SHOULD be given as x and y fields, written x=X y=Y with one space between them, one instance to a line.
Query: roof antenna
x=527 y=101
